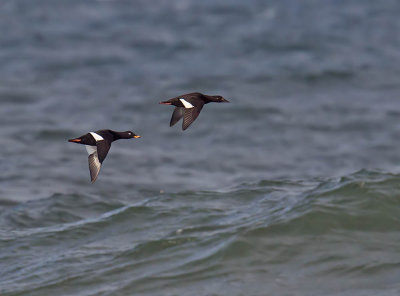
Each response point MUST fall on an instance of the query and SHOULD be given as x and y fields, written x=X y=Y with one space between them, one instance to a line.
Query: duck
x=98 y=144
x=189 y=106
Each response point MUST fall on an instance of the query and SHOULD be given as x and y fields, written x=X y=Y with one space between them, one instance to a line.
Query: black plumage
x=189 y=106
x=98 y=144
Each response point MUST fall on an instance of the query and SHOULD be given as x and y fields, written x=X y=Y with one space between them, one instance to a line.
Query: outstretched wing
x=190 y=115
x=102 y=149
x=94 y=166
x=177 y=115
x=97 y=154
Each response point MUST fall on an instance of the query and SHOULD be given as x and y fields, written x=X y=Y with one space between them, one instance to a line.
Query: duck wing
x=94 y=166
x=97 y=154
x=102 y=149
x=190 y=115
x=176 y=115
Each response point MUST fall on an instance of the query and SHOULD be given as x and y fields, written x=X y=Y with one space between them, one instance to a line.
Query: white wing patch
x=97 y=137
x=186 y=104
x=90 y=149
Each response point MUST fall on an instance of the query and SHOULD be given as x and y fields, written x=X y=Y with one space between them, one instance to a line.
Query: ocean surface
x=291 y=189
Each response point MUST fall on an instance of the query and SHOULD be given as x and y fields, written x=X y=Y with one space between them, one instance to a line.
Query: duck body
x=189 y=106
x=98 y=144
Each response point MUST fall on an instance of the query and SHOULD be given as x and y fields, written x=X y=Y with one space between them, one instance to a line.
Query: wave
x=323 y=227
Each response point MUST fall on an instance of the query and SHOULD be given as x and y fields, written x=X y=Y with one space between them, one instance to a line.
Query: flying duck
x=189 y=106
x=97 y=145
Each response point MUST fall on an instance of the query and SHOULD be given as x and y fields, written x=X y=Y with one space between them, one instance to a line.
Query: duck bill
x=75 y=140
x=136 y=137
x=165 y=103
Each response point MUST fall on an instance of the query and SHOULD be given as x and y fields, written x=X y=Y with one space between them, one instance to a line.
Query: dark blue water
x=291 y=189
